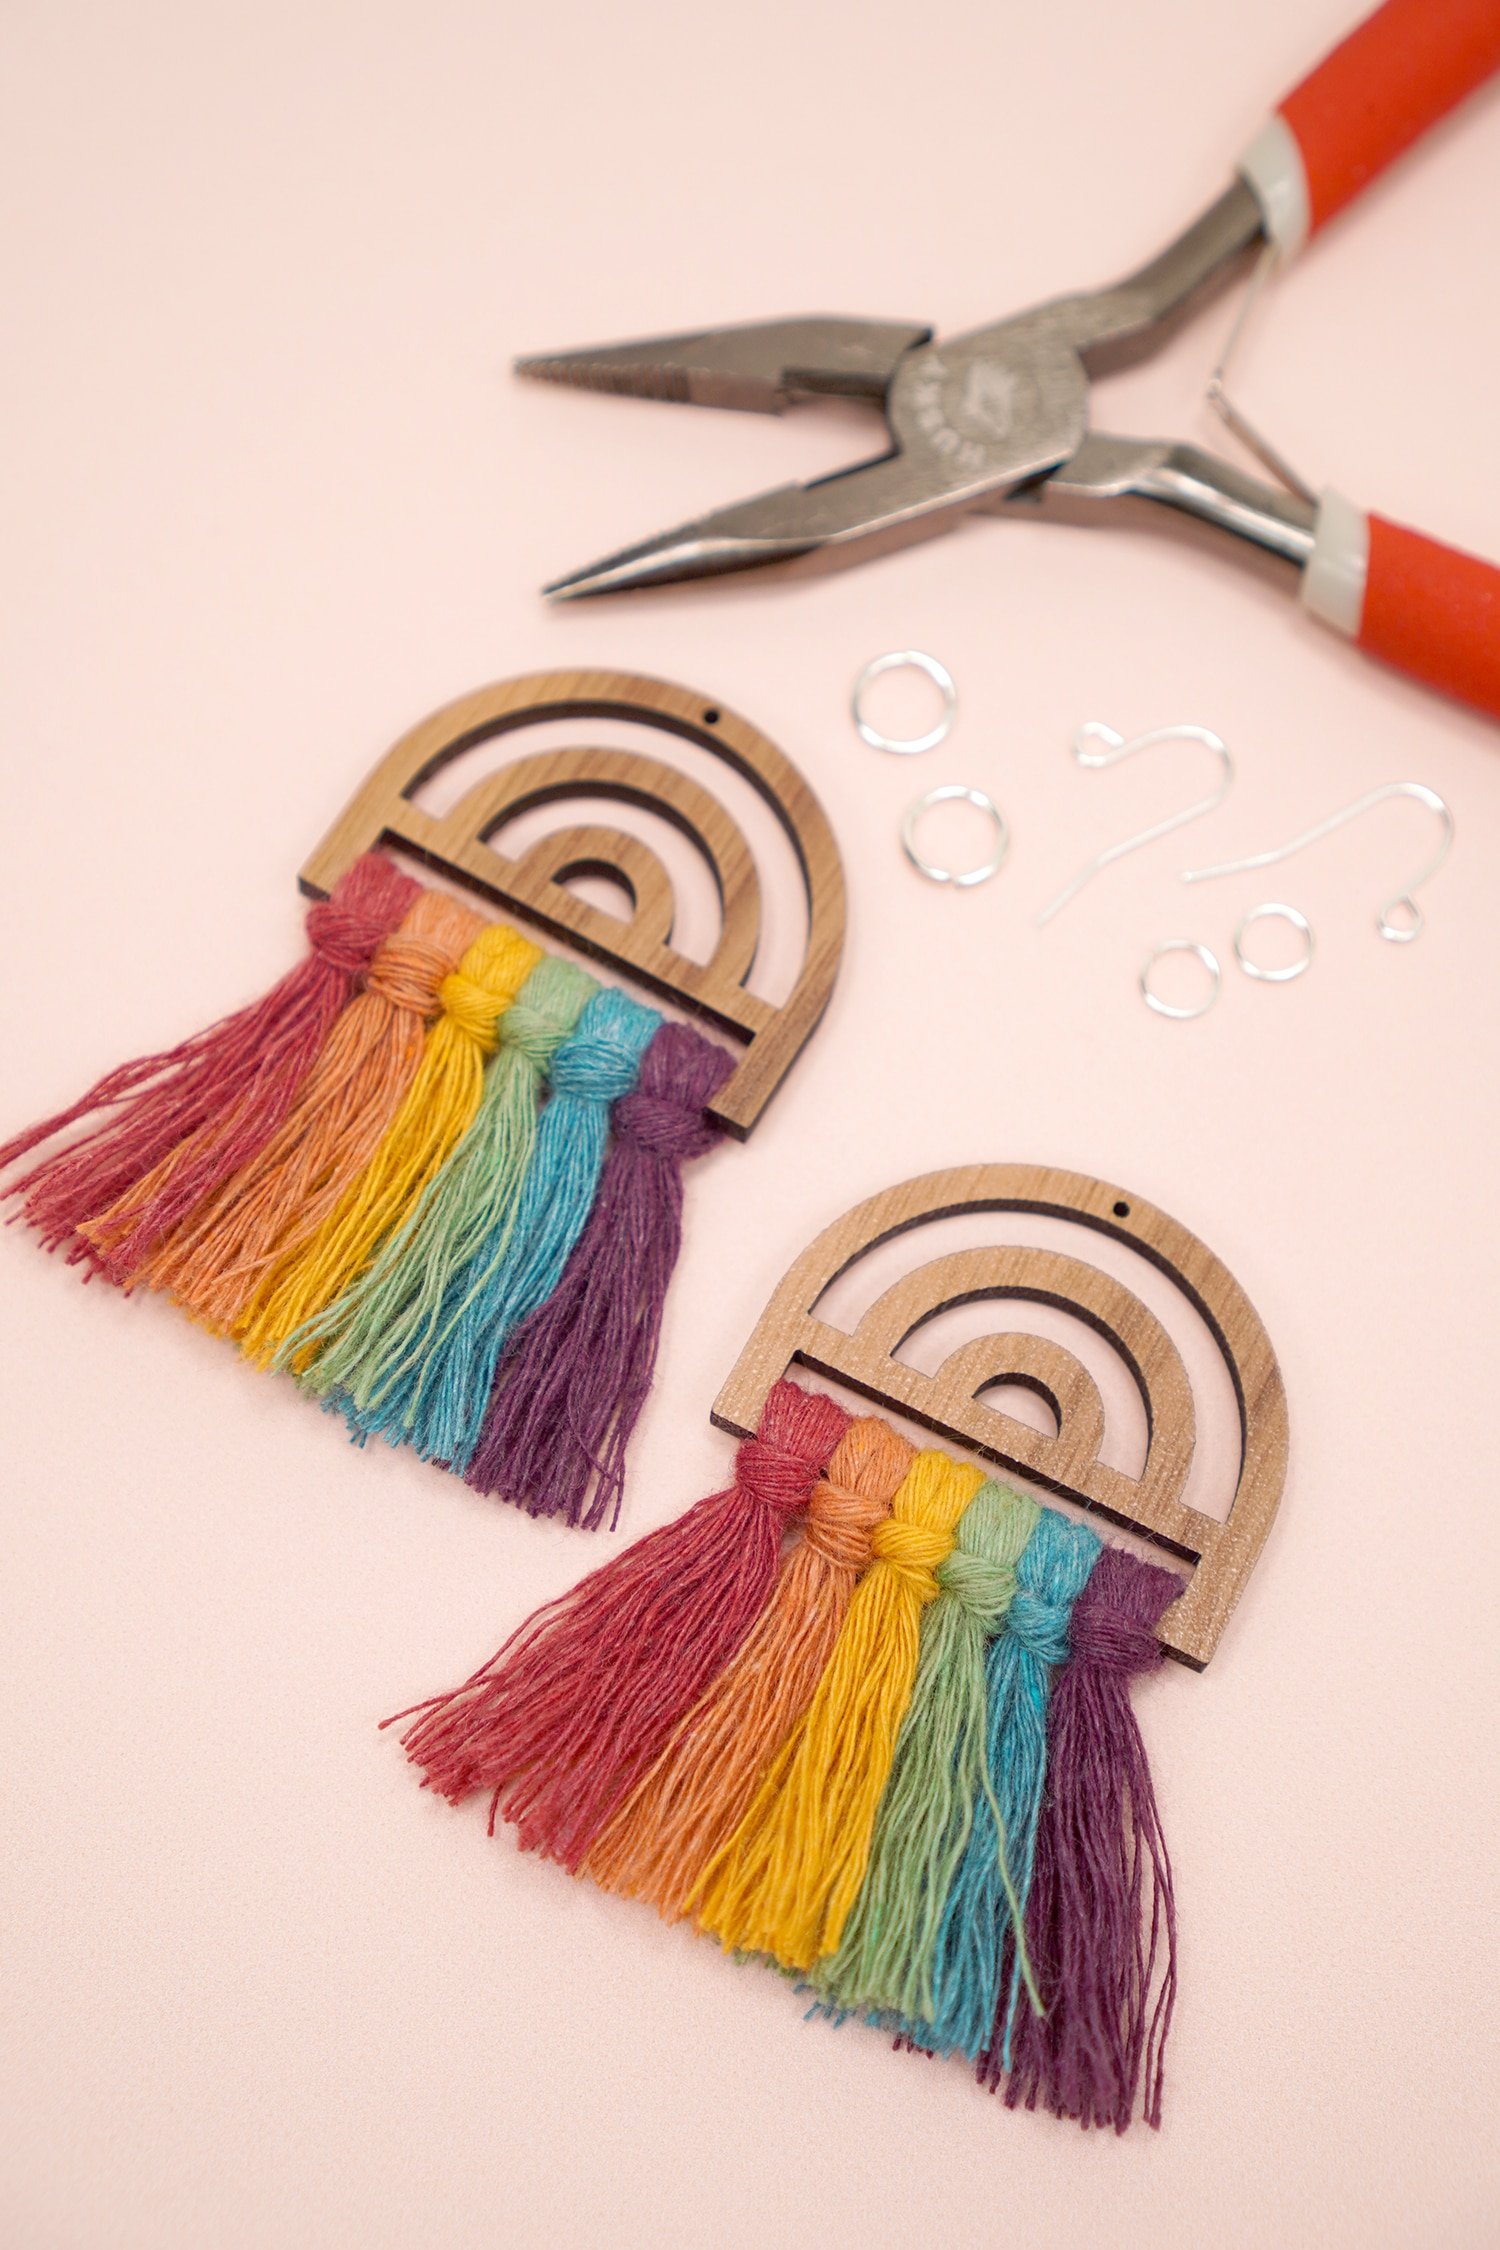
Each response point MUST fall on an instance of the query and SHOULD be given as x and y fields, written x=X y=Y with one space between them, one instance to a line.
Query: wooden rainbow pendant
x=436 y=1172
x=865 y=1713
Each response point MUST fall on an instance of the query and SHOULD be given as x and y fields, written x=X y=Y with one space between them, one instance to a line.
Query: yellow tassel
x=436 y=1112
x=785 y=1881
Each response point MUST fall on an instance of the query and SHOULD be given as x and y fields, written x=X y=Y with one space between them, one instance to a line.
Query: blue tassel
x=1052 y=1573
x=517 y=1267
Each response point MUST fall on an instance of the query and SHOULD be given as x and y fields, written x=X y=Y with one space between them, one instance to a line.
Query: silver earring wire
x=1395 y=933
x=1115 y=748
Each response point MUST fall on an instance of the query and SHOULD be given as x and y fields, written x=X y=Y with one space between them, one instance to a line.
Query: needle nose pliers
x=998 y=421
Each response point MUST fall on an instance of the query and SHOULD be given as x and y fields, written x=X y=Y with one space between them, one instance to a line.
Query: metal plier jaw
x=969 y=420
x=998 y=420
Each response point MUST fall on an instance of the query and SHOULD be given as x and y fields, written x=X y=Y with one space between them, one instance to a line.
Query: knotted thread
x=783 y=1883
x=381 y=1328
x=189 y=1117
x=564 y=1720
x=978 y=1917
x=574 y=1377
x=911 y=1553
x=410 y=966
x=1107 y=2016
x=660 y=1839
x=518 y=1262
x=283 y=1321
x=468 y=1003
x=214 y=1262
x=939 y=1773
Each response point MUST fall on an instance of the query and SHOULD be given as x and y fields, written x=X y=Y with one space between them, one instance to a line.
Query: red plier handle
x=1428 y=609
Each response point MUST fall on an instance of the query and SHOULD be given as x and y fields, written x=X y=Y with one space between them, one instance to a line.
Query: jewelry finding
x=952 y=792
x=1115 y=747
x=1404 y=902
x=905 y=659
x=1274 y=911
x=1166 y=1007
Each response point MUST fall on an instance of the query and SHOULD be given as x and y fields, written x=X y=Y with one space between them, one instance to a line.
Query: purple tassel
x=1096 y=1966
x=569 y=1391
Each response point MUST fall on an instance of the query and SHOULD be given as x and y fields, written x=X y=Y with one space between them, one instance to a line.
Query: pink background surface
x=269 y=496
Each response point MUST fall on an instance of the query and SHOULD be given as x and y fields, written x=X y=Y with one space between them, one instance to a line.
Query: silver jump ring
x=952 y=792
x=900 y=659
x=1274 y=911
x=1165 y=1007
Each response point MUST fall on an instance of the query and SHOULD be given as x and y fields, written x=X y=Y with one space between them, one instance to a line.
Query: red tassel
x=193 y=1114
x=565 y=1719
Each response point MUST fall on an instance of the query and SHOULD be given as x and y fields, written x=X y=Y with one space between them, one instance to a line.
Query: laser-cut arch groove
x=947 y=1402
x=458 y=842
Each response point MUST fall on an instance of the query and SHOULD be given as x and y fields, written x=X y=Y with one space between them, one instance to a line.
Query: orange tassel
x=215 y=1262
x=663 y=1836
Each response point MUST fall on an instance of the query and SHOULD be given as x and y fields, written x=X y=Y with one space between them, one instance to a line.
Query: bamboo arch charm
x=436 y=1173
x=533 y=882
x=895 y=1753
x=950 y=1403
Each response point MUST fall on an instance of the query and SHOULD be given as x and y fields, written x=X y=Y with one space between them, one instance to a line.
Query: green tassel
x=884 y=1963
x=382 y=1329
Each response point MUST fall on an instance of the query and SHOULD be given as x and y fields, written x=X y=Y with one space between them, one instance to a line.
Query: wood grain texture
x=790 y=1331
x=533 y=884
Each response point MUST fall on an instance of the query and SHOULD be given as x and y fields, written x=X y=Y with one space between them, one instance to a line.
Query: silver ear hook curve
x=1115 y=748
x=1395 y=933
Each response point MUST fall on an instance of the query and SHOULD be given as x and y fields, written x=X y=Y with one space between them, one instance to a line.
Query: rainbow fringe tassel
x=435 y=1173
x=898 y=1763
